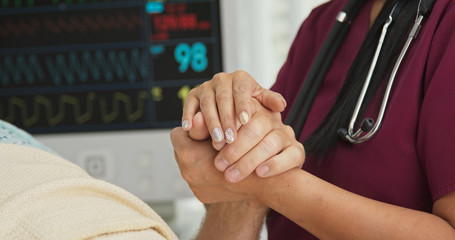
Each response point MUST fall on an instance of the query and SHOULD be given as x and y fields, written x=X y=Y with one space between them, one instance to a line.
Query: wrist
x=270 y=188
x=233 y=220
x=240 y=211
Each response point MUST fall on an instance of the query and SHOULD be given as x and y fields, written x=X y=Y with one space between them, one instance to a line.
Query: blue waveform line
x=70 y=67
x=27 y=67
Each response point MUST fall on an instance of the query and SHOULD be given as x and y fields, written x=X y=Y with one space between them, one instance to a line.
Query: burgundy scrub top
x=410 y=162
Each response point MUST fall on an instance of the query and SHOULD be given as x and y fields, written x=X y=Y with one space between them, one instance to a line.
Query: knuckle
x=241 y=74
x=205 y=102
x=299 y=153
x=277 y=117
x=211 y=120
x=204 y=86
x=268 y=145
x=302 y=150
x=219 y=77
x=287 y=136
x=243 y=87
x=289 y=131
x=242 y=102
x=227 y=119
x=193 y=92
x=231 y=154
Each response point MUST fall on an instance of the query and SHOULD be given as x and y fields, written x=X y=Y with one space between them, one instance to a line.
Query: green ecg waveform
x=81 y=109
x=118 y=98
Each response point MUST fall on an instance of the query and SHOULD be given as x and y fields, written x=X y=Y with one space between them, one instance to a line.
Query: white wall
x=257 y=34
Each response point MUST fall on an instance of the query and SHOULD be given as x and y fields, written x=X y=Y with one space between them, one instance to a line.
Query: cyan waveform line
x=83 y=110
x=75 y=66
x=19 y=68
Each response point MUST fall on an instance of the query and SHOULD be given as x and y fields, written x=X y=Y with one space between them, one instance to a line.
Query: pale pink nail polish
x=229 y=134
x=217 y=135
x=244 y=118
x=185 y=124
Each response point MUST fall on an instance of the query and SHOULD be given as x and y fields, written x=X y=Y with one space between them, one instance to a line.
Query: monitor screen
x=102 y=65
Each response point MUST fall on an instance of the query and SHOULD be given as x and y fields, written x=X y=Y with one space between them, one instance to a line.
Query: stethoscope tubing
x=305 y=98
x=302 y=105
x=359 y=137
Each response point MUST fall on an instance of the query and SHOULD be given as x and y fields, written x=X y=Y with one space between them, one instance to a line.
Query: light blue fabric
x=13 y=135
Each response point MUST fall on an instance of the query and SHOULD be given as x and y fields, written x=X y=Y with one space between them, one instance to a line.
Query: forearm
x=330 y=212
x=232 y=220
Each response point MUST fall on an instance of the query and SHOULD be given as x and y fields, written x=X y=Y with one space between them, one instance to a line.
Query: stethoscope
x=304 y=100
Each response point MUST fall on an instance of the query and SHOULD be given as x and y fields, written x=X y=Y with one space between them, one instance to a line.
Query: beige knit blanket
x=43 y=196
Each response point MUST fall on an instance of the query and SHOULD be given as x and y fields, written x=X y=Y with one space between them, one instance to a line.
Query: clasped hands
x=219 y=169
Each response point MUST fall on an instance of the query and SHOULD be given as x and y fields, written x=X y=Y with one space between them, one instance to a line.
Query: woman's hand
x=225 y=103
x=264 y=145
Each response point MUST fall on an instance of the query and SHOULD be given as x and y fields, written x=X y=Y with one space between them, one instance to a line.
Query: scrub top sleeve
x=436 y=131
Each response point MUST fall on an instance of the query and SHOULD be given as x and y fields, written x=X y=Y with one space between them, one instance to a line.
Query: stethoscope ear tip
x=342 y=133
x=367 y=124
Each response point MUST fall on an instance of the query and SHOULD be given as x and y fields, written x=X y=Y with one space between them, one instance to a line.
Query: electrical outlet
x=96 y=166
x=99 y=164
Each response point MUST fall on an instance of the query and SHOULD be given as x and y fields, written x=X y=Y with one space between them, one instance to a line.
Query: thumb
x=271 y=100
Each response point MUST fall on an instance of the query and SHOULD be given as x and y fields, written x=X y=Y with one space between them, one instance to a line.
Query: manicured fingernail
x=284 y=101
x=263 y=170
x=221 y=164
x=185 y=124
x=217 y=135
x=244 y=118
x=229 y=134
x=233 y=175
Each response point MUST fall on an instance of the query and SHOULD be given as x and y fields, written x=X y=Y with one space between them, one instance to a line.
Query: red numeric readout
x=176 y=19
